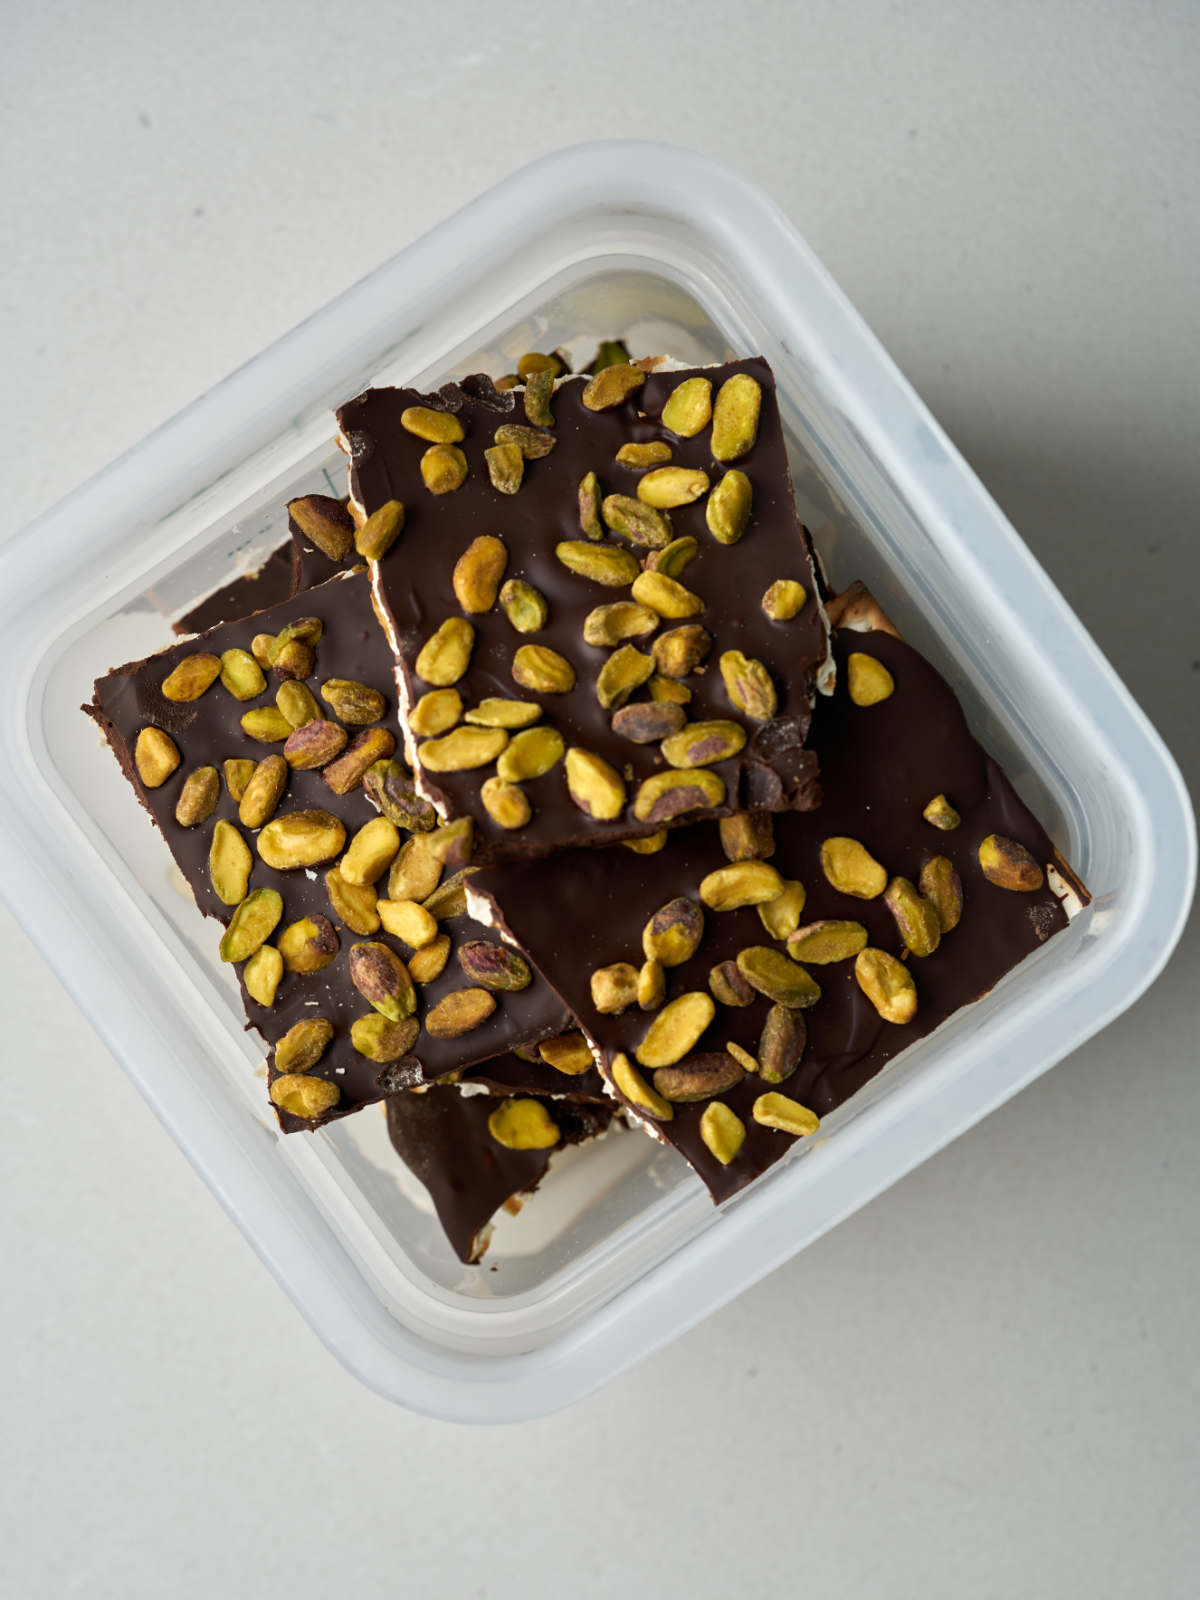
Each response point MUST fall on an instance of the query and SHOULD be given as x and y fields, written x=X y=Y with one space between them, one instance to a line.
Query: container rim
x=278 y=1218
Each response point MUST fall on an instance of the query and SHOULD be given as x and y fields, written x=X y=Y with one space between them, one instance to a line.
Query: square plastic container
x=623 y=1251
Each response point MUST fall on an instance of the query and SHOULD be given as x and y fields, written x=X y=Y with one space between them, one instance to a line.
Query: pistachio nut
x=390 y=787
x=267 y=725
x=612 y=386
x=506 y=467
x=260 y=648
x=667 y=795
x=742 y=883
x=748 y=685
x=295 y=700
x=301 y=839
x=1009 y=865
x=508 y=380
x=229 y=863
x=852 y=869
x=529 y=754
x=887 y=984
x=674 y=559
x=636 y=521
x=651 y=985
x=263 y=974
x=371 y=852
x=597 y=788
x=537 y=667
x=353 y=702
x=523 y=1124
x=303 y=1046
x=191 y=676
x=675 y=1029
x=868 y=680
x=648 y=845
x=722 y=1130
x=667 y=487
x=443 y=468
x=665 y=596
x=567 y=1053
x=623 y=619
x=264 y=792
x=506 y=803
x=599 y=563
x=673 y=933
x=781 y=916
x=429 y=962
x=648 y=721
x=198 y=797
x=478 y=571
x=314 y=746
x=449 y=899
x=535 y=361
x=589 y=506
x=782 y=981
x=495 y=713
x=462 y=750
x=494 y=966
x=669 y=691
x=727 y=513
x=294 y=658
x=612 y=353
x=819 y=943
x=302 y=1096
x=382 y=979
x=747 y=836
x=781 y=1043
x=524 y=606
x=728 y=986
x=408 y=921
x=241 y=674
x=614 y=989
x=624 y=671
x=539 y=388
x=533 y=443
x=688 y=410
x=681 y=650
x=435 y=712
x=252 y=924
x=237 y=775
x=436 y=427
x=382 y=1040
x=784 y=600
x=700 y=744
x=415 y=871
x=941 y=814
x=309 y=944
x=633 y=1087
x=380 y=531
x=699 y=1077
x=459 y=1013
x=735 y=417
x=155 y=755
x=916 y=918
x=353 y=904
x=942 y=886
x=787 y=1115
x=452 y=843
x=300 y=630
x=350 y=769
x=744 y=1059
x=639 y=454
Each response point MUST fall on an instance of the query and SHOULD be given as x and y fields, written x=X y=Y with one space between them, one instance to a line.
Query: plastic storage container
x=623 y=1251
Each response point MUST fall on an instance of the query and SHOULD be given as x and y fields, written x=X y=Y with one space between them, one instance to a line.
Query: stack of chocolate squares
x=542 y=781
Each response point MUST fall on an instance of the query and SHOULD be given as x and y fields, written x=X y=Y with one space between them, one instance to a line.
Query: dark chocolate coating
x=255 y=591
x=415 y=587
x=880 y=766
x=443 y=1137
x=208 y=731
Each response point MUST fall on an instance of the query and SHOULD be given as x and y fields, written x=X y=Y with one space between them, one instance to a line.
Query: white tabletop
x=984 y=1384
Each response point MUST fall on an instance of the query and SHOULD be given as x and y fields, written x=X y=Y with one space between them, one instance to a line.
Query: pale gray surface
x=984 y=1384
